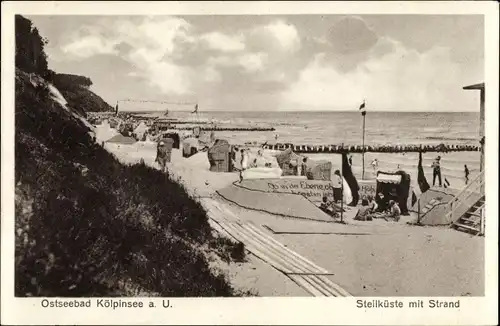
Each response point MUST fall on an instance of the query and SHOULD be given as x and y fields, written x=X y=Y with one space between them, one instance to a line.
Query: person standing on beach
x=162 y=155
x=304 y=166
x=337 y=186
x=350 y=160
x=244 y=160
x=436 y=171
x=374 y=165
x=466 y=171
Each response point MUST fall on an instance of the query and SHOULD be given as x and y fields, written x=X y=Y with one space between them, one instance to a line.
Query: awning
x=389 y=178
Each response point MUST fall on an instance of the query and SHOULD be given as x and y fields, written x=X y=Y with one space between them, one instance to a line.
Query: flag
x=422 y=181
x=350 y=179
x=195 y=109
x=362 y=108
x=413 y=198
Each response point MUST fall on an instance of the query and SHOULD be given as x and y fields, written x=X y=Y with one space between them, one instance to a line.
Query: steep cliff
x=87 y=225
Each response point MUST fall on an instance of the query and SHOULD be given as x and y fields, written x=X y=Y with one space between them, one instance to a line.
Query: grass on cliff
x=86 y=224
x=75 y=90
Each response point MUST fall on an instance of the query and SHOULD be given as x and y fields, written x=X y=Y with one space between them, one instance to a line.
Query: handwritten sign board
x=367 y=188
x=314 y=190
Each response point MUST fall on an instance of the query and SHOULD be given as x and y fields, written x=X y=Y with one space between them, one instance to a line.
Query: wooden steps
x=305 y=273
x=471 y=221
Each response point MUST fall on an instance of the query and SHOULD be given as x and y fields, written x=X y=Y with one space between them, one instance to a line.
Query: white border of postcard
x=299 y=311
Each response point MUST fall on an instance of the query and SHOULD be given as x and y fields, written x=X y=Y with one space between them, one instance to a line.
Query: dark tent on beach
x=350 y=179
x=421 y=180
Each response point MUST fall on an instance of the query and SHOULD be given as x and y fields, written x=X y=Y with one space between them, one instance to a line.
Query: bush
x=84 y=221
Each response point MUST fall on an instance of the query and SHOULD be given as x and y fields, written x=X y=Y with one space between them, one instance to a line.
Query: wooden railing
x=464 y=200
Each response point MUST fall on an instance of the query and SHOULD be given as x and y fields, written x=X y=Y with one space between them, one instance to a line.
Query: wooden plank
x=318 y=286
x=331 y=291
x=255 y=249
x=305 y=285
x=302 y=266
x=341 y=291
x=296 y=255
x=273 y=252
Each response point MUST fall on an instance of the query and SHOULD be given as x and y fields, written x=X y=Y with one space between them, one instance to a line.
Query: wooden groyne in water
x=189 y=122
x=227 y=128
x=338 y=149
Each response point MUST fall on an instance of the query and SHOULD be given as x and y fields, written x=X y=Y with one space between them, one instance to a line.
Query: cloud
x=222 y=42
x=89 y=46
x=270 y=63
x=171 y=54
x=351 y=35
x=149 y=44
x=277 y=36
x=286 y=34
x=392 y=78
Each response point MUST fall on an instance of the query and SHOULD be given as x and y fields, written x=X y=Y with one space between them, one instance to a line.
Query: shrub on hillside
x=84 y=221
x=30 y=54
x=75 y=90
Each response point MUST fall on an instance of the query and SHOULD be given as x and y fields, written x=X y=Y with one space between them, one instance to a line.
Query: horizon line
x=340 y=111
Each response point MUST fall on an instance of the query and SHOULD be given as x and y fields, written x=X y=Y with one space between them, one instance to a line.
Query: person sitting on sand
x=372 y=203
x=394 y=211
x=364 y=212
x=328 y=207
x=381 y=203
x=260 y=161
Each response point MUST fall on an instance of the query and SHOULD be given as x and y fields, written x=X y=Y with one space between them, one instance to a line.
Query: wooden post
x=363 y=149
x=482 y=88
x=481 y=134
x=342 y=189
x=418 y=212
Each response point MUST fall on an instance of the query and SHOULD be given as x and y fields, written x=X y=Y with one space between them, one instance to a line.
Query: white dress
x=244 y=162
x=347 y=195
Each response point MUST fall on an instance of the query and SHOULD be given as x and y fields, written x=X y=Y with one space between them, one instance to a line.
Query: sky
x=271 y=63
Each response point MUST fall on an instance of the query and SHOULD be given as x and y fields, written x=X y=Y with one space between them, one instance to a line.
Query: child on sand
x=364 y=212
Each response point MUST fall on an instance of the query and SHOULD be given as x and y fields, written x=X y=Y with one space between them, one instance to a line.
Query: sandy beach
x=373 y=258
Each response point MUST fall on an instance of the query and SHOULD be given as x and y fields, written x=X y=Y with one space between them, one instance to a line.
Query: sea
x=325 y=128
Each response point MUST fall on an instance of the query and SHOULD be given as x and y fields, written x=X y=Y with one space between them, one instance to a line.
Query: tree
x=30 y=48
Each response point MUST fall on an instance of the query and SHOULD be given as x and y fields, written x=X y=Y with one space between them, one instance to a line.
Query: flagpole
x=342 y=188
x=363 y=152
